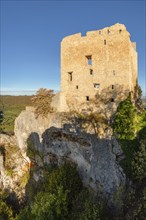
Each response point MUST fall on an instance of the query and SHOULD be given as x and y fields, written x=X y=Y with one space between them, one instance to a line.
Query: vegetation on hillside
x=61 y=197
x=130 y=128
x=11 y=106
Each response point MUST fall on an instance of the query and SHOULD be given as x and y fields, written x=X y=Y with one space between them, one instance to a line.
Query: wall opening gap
x=91 y=72
x=87 y=98
x=70 y=76
x=96 y=85
x=89 y=59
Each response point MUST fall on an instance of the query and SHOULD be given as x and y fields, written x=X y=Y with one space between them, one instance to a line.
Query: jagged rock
x=27 y=122
x=95 y=159
x=14 y=167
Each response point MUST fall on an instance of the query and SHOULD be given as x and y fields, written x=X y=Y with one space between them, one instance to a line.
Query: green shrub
x=135 y=204
x=5 y=211
x=124 y=125
x=93 y=211
x=139 y=163
x=67 y=177
x=25 y=214
x=50 y=206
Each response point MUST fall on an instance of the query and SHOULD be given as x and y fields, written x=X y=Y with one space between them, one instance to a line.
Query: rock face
x=95 y=158
x=14 y=168
x=27 y=122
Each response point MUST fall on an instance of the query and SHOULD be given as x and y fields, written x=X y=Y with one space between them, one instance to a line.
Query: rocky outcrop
x=27 y=122
x=14 y=167
x=95 y=158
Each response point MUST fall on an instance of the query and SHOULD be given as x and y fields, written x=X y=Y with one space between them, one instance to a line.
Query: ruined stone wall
x=101 y=59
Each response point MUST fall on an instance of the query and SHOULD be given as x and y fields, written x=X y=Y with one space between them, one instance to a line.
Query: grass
x=11 y=107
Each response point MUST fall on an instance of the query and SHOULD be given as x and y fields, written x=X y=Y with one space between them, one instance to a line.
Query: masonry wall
x=113 y=62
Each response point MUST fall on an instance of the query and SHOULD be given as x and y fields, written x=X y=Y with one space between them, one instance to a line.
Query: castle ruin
x=102 y=59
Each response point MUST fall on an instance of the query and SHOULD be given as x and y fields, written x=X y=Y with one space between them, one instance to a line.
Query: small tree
x=42 y=102
x=125 y=120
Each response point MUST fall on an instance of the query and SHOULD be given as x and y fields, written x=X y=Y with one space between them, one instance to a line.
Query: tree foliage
x=139 y=163
x=42 y=102
x=125 y=120
x=93 y=211
x=5 y=211
x=66 y=177
x=138 y=98
x=50 y=206
x=135 y=204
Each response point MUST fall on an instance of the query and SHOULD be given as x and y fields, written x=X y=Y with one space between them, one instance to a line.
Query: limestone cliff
x=27 y=122
x=96 y=158
x=14 y=167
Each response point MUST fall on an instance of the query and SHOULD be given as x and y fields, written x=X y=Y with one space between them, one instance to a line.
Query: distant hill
x=8 y=100
x=11 y=106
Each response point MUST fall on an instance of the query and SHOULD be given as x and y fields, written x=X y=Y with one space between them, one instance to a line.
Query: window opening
x=120 y=31
x=112 y=86
x=77 y=87
x=87 y=98
x=112 y=99
x=104 y=42
x=108 y=31
x=89 y=58
x=96 y=85
x=91 y=72
x=70 y=76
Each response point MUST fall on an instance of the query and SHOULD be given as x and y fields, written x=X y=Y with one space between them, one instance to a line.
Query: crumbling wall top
x=113 y=30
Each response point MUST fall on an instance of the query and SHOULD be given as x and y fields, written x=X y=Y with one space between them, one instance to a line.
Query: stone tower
x=102 y=59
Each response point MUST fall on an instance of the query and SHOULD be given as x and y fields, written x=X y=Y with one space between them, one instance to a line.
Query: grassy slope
x=11 y=107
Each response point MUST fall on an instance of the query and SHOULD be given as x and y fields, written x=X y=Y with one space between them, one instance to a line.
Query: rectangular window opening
x=112 y=100
x=87 y=98
x=89 y=58
x=108 y=31
x=91 y=72
x=70 y=76
x=77 y=87
x=112 y=86
x=96 y=85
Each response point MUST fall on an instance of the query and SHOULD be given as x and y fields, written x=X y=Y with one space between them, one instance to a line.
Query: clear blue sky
x=31 y=32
